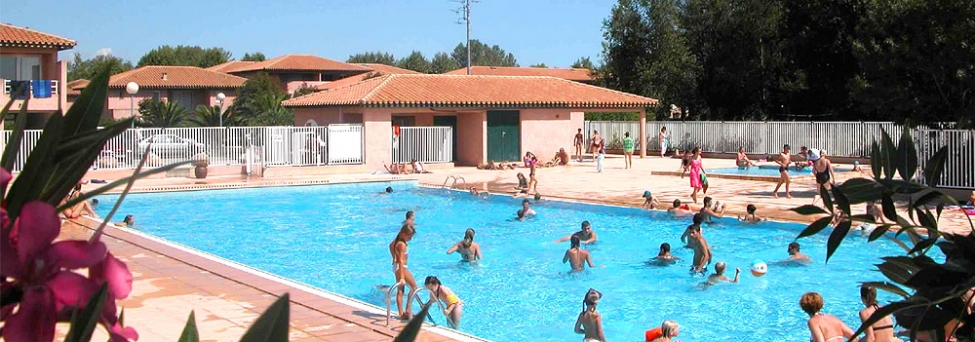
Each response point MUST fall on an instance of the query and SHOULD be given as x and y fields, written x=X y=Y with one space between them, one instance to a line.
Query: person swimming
x=469 y=250
x=577 y=257
x=708 y=210
x=795 y=256
x=664 y=255
x=128 y=221
x=410 y=218
x=719 y=276
x=389 y=190
x=590 y=323
x=585 y=234
x=527 y=207
x=751 y=217
x=399 y=250
x=702 y=252
x=679 y=209
x=454 y=307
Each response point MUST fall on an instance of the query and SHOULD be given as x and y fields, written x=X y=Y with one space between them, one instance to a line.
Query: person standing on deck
x=595 y=141
x=699 y=178
x=783 y=160
x=662 y=137
x=628 y=147
x=577 y=142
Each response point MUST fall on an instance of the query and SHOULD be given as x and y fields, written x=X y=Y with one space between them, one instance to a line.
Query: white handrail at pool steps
x=416 y=295
x=454 y=184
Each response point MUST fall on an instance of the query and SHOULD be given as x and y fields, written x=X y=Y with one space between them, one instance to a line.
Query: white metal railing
x=847 y=139
x=284 y=146
x=424 y=144
x=7 y=88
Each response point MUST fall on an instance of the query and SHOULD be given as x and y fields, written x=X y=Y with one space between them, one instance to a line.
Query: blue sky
x=554 y=32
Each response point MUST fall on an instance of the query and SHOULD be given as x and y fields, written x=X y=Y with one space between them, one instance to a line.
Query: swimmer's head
x=431 y=281
x=664 y=248
x=719 y=267
x=129 y=220
x=676 y=203
x=695 y=230
x=793 y=247
x=751 y=209
x=94 y=201
x=410 y=214
x=574 y=241
x=406 y=233
x=389 y=189
x=669 y=329
x=538 y=196
x=811 y=303
x=707 y=201
x=698 y=219
x=868 y=295
x=469 y=234
x=586 y=225
x=525 y=203
x=592 y=298
x=473 y=190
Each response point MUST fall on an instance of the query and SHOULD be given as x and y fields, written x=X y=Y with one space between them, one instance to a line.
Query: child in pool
x=454 y=306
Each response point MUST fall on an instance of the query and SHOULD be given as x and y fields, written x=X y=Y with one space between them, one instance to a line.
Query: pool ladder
x=454 y=184
x=416 y=296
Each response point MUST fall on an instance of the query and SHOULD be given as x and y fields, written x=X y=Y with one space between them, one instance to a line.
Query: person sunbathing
x=418 y=167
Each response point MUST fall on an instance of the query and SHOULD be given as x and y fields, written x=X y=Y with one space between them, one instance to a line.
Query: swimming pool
x=768 y=170
x=335 y=237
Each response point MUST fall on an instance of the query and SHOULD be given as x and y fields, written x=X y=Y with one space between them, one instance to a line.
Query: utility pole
x=466 y=8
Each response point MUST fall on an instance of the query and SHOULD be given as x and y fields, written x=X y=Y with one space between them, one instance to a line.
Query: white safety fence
x=846 y=139
x=424 y=144
x=276 y=146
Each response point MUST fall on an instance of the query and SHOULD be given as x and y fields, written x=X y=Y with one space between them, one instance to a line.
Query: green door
x=452 y=122
x=504 y=136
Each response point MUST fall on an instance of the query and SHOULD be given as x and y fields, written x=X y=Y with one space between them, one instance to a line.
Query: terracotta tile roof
x=230 y=66
x=24 y=37
x=176 y=77
x=379 y=70
x=75 y=87
x=573 y=74
x=471 y=91
x=301 y=63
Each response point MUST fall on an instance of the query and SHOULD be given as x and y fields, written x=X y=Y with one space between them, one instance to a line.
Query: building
x=29 y=62
x=494 y=118
x=571 y=74
x=187 y=86
x=295 y=71
x=377 y=70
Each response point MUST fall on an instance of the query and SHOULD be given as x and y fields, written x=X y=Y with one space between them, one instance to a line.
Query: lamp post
x=132 y=88
x=220 y=97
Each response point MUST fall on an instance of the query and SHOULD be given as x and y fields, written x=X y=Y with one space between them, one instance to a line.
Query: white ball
x=759 y=268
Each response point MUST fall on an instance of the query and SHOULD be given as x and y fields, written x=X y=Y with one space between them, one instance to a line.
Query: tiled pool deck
x=170 y=281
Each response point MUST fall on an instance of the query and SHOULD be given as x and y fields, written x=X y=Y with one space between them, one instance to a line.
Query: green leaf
x=927 y=220
x=887 y=204
x=272 y=325
x=878 y=232
x=889 y=287
x=932 y=196
x=840 y=197
x=37 y=170
x=73 y=164
x=809 y=210
x=859 y=190
x=87 y=108
x=16 y=136
x=898 y=272
x=412 y=329
x=888 y=151
x=922 y=246
x=107 y=187
x=836 y=237
x=885 y=311
x=907 y=155
x=815 y=227
x=189 y=331
x=935 y=167
x=876 y=160
x=827 y=200
x=83 y=324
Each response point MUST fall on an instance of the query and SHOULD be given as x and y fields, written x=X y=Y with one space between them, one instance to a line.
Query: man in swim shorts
x=702 y=252
x=784 y=159
x=577 y=142
x=697 y=220
x=586 y=235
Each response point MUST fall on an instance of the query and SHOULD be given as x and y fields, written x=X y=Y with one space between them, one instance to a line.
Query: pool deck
x=171 y=281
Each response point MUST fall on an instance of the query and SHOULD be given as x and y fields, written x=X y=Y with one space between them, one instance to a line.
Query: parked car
x=169 y=145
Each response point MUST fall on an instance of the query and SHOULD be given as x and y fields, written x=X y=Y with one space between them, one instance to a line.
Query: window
x=20 y=68
x=404 y=121
x=156 y=96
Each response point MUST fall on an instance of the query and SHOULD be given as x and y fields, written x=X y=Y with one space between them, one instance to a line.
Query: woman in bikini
x=882 y=330
x=823 y=327
x=532 y=181
x=454 y=306
x=469 y=250
x=589 y=323
x=398 y=249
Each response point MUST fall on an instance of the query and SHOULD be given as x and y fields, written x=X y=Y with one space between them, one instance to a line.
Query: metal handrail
x=416 y=296
x=454 y=184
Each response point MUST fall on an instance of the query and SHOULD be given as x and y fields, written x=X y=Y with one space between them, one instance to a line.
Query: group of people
x=597 y=147
x=404 y=169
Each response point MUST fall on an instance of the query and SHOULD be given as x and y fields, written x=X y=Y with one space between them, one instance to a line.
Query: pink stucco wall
x=544 y=131
x=51 y=69
x=324 y=116
x=378 y=132
x=471 y=138
x=119 y=107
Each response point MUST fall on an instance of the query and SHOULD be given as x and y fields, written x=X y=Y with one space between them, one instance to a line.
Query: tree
x=539 y=65
x=416 y=62
x=210 y=116
x=254 y=101
x=185 y=55
x=443 y=63
x=373 y=57
x=254 y=57
x=625 y=45
x=303 y=90
x=268 y=111
x=917 y=60
x=583 y=63
x=672 y=70
x=87 y=69
x=482 y=54
x=153 y=113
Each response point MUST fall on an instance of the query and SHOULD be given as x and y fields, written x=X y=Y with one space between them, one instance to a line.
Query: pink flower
x=41 y=268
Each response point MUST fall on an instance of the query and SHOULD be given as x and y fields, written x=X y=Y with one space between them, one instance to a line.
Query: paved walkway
x=170 y=282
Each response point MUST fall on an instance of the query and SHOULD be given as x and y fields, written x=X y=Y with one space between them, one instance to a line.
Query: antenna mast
x=466 y=8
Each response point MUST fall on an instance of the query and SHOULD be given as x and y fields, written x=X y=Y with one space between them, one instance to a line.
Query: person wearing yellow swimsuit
x=454 y=306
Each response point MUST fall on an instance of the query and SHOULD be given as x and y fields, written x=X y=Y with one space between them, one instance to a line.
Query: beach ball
x=759 y=268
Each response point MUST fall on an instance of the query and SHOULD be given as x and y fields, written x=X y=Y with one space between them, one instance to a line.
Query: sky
x=554 y=32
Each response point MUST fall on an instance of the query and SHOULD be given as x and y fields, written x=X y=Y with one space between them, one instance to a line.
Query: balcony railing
x=8 y=88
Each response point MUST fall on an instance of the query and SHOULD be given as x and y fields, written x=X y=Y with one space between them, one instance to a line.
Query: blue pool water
x=335 y=237
x=768 y=170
